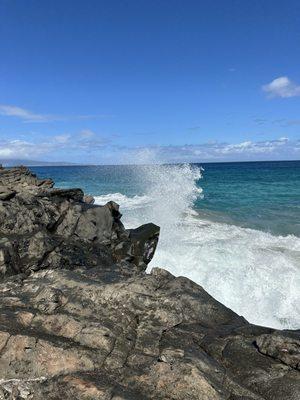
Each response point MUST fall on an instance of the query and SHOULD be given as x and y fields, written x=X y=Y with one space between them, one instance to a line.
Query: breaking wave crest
x=255 y=273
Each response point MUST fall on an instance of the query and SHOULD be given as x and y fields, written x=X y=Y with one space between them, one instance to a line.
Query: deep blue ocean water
x=235 y=230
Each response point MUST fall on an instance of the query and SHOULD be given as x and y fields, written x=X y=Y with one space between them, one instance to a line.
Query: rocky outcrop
x=45 y=227
x=80 y=318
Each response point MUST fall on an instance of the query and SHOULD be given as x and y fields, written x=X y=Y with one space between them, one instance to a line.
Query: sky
x=109 y=82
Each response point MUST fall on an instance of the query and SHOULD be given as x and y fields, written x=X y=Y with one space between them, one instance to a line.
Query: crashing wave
x=255 y=273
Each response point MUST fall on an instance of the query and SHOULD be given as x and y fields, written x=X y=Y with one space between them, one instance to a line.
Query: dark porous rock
x=81 y=319
x=144 y=241
x=70 y=194
x=283 y=346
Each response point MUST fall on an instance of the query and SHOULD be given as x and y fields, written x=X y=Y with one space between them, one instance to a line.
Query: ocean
x=234 y=228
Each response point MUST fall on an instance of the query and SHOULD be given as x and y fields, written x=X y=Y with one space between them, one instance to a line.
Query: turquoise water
x=260 y=195
x=231 y=227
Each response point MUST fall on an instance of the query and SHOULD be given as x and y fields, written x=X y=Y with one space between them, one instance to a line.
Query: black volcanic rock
x=45 y=227
x=80 y=318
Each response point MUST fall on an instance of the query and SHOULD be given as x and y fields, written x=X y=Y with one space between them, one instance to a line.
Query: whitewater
x=255 y=273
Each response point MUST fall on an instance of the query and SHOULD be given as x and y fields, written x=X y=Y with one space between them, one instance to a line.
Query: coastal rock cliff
x=81 y=319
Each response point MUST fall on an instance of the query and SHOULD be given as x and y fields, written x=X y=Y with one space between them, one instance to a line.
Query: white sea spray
x=255 y=273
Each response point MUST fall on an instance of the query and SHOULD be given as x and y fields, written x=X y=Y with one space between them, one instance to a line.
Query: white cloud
x=250 y=148
x=6 y=152
x=20 y=149
x=282 y=87
x=26 y=115
x=65 y=143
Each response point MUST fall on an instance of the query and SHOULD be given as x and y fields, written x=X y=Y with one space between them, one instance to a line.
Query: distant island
x=31 y=163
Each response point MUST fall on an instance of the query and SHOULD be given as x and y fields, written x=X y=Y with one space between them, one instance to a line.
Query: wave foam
x=125 y=202
x=254 y=273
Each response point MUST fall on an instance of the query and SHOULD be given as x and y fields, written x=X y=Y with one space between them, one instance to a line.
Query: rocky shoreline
x=80 y=318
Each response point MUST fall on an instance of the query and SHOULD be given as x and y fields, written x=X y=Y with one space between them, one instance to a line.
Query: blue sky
x=133 y=81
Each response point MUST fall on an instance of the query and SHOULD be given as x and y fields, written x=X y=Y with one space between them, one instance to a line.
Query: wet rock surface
x=80 y=318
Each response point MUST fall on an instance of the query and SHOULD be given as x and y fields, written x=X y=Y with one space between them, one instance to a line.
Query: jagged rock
x=46 y=227
x=80 y=318
x=20 y=178
x=69 y=194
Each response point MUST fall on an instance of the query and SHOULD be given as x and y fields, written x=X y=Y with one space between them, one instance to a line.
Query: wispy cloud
x=282 y=122
x=260 y=121
x=87 y=133
x=281 y=148
x=29 y=116
x=194 y=128
x=289 y=122
x=282 y=87
x=25 y=115
x=62 y=139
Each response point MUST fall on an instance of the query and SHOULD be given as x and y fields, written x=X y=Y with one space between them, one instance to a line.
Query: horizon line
x=69 y=164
